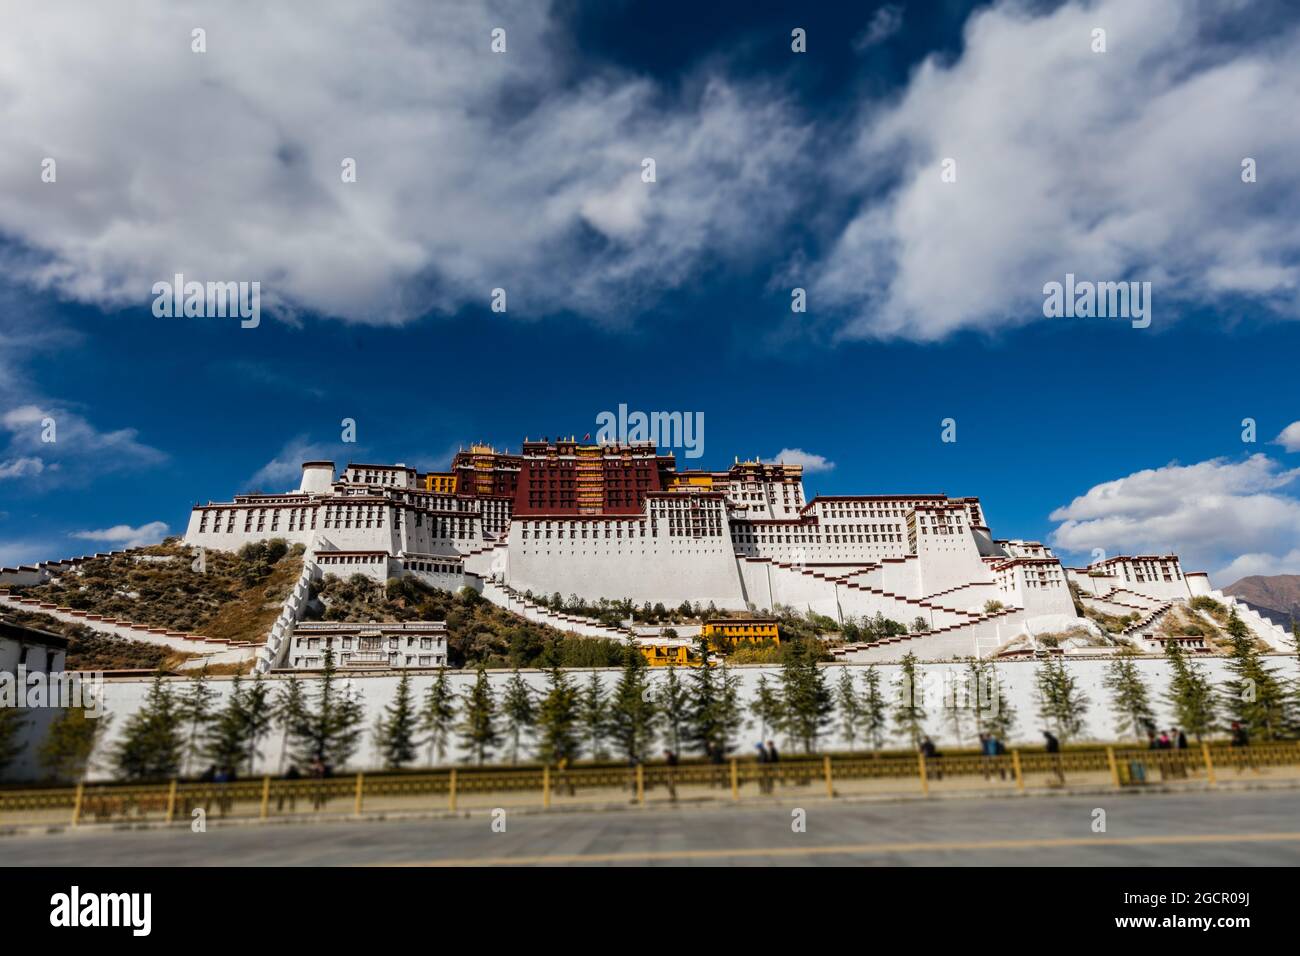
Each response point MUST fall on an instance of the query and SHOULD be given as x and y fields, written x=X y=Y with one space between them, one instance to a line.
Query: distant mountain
x=1276 y=597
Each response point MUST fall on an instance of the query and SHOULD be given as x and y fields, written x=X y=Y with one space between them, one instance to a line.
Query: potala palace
x=621 y=521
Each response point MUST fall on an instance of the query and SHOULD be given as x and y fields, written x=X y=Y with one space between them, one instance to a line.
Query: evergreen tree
x=439 y=716
x=519 y=710
x=258 y=713
x=352 y=716
x=909 y=712
x=1129 y=698
x=395 y=733
x=65 y=752
x=997 y=716
x=1295 y=683
x=702 y=729
x=767 y=707
x=593 y=711
x=11 y=741
x=478 y=726
x=226 y=740
x=632 y=713
x=557 y=720
x=329 y=728
x=956 y=706
x=1191 y=696
x=290 y=708
x=806 y=700
x=151 y=743
x=1062 y=704
x=194 y=710
x=980 y=693
x=875 y=714
x=1254 y=696
x=673 y=702
x=731 y=715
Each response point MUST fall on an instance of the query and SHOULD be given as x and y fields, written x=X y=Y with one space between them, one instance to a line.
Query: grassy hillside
x=90 y=650
x=477 y=631
x=238 y=597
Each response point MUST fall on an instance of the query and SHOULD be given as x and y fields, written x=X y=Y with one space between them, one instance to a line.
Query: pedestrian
x=714 y=753
x=1241 y=741
x=670 y=773
x=773 y=758
x=1000 y=750
x=289 y=789
x=930 y=752
x=222 y=779
x=1054 y=748
x=1165 y=743
x=563 y=779
x=208 y=776
x=317 y=772
x=764 y=778
x=1178 y=740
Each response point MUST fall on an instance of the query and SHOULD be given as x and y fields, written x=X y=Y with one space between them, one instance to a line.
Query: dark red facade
x=572 y=478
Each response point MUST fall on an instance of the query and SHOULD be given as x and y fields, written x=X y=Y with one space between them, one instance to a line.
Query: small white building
x=372 y=645
x=39 y=652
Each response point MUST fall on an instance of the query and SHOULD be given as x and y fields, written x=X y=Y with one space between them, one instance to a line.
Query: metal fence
x=736 y=779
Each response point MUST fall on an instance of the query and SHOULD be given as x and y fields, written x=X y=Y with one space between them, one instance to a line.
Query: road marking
x=859 y=848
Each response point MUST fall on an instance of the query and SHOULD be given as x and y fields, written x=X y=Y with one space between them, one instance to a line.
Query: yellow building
x=692 y=479
x=740 y=630
x=441 y=482
x=666 y=655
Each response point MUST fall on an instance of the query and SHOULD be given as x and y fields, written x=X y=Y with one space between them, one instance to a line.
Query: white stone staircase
x=29 y=575
x=1273 y=635
x=504 y=596
x=981 y=636
x=276 y=649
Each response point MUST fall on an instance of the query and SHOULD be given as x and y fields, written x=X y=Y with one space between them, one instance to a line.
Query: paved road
x=1232 y=829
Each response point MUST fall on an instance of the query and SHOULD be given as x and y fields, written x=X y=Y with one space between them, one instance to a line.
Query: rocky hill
x=1276 y=597
x=236 y=597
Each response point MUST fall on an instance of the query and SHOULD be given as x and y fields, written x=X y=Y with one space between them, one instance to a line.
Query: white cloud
x=797 y=456
x=17 y=551
x=1289 y=437
x=886 y=21
x=123 y=535
x=79 y=449
x=1217 y=515
x=1246 y=565
x=284 y=471
x=21 y=467
x=1112 y=166
x=474 y=170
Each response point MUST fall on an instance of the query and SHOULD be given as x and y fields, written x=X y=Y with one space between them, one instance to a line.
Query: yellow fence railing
x=461 y=788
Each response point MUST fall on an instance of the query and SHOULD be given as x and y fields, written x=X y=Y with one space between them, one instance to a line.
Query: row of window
x=748 y=538
x=368 y=643
x=394 y=660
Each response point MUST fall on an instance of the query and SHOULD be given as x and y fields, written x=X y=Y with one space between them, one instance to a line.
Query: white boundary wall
x=124 y=695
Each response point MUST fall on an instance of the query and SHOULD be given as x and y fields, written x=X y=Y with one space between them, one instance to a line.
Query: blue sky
x=775 y=170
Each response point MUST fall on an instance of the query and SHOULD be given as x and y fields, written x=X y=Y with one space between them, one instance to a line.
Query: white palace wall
x=656 y=569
